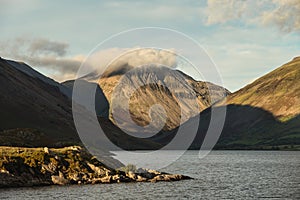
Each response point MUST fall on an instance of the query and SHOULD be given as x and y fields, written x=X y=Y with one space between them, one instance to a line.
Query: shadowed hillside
x=101 y=103
x=36 y=113
x=264 y=114
x=249 y=127
x=28 y=102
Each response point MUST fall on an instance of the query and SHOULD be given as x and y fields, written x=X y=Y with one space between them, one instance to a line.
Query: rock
x=62 y=166
x=75 y=177
x=60 y=179
x=106 y=179
x=147 y=175
x=9 y=180
x=141 y=179
x=158 y=178
x=46 y=150
x=96 y=169
x=152 y=171
x=75 y=148
x=4 y=171
x=50 y=167
x=120 y=178
x=124 y=179
x=115 y=177
x=131 y=175
x=84 y=177
x=169 y=177
x=96 y=181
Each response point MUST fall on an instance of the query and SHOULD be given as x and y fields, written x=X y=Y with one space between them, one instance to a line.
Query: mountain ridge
x=28 y=102
x=33 y=109
x=265 y=113
x=276 y=92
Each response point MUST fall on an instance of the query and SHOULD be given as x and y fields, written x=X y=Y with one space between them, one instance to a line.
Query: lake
x=220 y=175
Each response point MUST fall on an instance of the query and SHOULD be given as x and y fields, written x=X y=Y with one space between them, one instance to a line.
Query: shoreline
x=27 y=167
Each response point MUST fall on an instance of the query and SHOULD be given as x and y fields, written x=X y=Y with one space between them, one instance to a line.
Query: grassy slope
x=269 y=109
x=277 y=92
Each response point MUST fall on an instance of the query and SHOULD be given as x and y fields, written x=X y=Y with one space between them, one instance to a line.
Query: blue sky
x=245 y=39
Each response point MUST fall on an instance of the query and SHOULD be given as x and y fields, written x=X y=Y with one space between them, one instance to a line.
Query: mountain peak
x=168 y=87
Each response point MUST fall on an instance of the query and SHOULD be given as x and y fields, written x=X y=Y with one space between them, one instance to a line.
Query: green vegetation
x=68 y=160
x=266 y=113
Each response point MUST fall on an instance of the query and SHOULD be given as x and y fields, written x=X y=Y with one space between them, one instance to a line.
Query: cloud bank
x=51 y=56
x=43 y=53
x=44 y=46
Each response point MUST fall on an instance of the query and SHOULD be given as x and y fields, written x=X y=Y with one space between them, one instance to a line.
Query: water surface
x=220 y=175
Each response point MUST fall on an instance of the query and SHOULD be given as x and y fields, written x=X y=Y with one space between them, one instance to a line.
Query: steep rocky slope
x=180 y=95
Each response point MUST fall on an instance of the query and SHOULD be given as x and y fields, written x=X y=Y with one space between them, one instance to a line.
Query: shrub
x=128 y=168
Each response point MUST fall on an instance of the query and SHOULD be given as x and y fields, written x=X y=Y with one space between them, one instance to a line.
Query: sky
x=245 y=39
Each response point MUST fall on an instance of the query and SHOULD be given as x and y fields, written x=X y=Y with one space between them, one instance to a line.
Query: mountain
x=180 y=95
x=278 y=92
x=26 y=69
x=37 y=111
x=34 y=110
x=101 y=103
x=262 y=115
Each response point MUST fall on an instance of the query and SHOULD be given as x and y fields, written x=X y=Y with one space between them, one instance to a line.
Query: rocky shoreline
x=21 y=167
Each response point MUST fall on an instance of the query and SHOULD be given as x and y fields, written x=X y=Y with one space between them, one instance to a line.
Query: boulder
x=46 y=150
x=106 y=179
x=60 y=179
x=131 y=175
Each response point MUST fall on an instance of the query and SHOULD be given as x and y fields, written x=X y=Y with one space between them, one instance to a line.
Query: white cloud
x=114 y=60
x=224 y=11
x=285 y=14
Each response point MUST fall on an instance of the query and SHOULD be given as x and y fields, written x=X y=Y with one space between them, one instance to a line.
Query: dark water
x=221 y=175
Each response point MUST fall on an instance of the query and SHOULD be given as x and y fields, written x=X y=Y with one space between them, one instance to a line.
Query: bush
x=128 y=168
